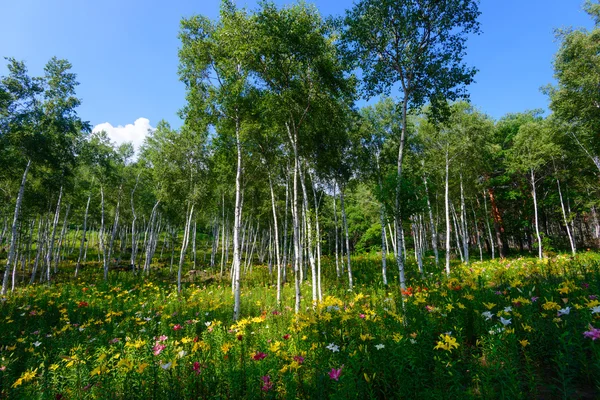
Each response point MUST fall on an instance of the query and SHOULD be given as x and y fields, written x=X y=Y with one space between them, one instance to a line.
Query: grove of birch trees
x=278 y=163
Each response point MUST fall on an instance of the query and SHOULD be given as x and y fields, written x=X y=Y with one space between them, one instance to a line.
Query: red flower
x=82 y=304
x=335 y=373
x=240 y=337
x=267 y=384
x=177 y=327
x=259 y=356
x=287 y=336
x=196 y=368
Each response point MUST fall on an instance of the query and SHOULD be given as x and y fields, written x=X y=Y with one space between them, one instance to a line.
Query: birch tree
x=214 y=67
x=418 y=45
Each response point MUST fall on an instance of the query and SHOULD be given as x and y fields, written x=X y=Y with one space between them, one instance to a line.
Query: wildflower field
x=515 y=329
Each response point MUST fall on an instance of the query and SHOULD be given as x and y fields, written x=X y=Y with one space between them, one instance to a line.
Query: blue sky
x=125 y=52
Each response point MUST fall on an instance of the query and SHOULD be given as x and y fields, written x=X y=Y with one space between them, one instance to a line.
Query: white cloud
x=135 y=133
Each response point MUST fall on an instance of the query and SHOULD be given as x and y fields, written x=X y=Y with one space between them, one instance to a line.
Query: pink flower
x=196 y=368
x=267 y=384
x=275 y=312
x=335 y=373
x=259 y=356
x=163 y=338
x=158 y=348
x=115 y=340
x=361 y=316
x=593 y=333
x=177 y=327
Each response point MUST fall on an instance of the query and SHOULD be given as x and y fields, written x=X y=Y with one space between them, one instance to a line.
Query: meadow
x=517 y=328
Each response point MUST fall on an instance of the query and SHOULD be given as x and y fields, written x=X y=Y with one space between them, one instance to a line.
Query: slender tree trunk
x=151 y=233
x=487 y=220
x=112 y=241
x=194 y=243
x=101 y=245
x=345 y=223
x=463 y=217
x=478 y=236
x=275 y=226
x=318 y=238
x=535 y=209
x=562 y=206
x=186 y=236
x=53 y=236
x=337 y=259
x=447 y=208
x=383 y=244
x=285 y=232
x=398 y=217
x=434 y=238
x=295 y=219
x=456 y=235
x=392 y=240
x=61 y=238
x=133 y=232
x=3 y=230
x=309 y=237
x=38 y=250
x=237 y=223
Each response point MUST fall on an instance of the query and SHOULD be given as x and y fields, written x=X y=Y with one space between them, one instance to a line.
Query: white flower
x=36 y=344
x=507 y=309
x=207 y=323
x=413 y=341
x=505 y=321
x=379 y=346
x=595 y=310
x=165 y=366
x=333 y=347
x=488 y=315
x=496 y=330
x=564 y=311
x=182 y=353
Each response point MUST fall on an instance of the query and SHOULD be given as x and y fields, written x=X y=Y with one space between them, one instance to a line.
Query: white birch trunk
x=337 y=259
x=186 y=236
x=345 y=223
x=463 y=217
x=311 y=257
x=275 y=225
x=564 y=213
x=112 y=241
x=434 y=238
x=53 y=236
x=318 y=239
x=236 y=223
x=535 y=209
x=447 y=209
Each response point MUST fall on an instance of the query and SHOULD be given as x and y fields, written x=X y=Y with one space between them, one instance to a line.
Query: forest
x=290 y=240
